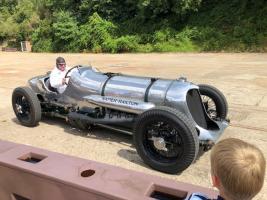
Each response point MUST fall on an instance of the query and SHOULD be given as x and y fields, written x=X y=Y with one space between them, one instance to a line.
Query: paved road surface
x=241 y=77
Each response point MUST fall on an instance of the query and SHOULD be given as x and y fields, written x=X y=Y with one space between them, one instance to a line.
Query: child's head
x=237 y=169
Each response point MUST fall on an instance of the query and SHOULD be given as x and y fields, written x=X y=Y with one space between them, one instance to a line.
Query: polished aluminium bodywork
x=88 y=87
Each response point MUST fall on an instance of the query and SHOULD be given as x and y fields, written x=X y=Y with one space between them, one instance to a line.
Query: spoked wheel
x=166 y=139
x=214 y=102
x=163 y=141
x=210 y=106
x=26 y=106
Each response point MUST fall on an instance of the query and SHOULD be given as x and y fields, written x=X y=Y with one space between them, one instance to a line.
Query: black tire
x=26 y=106
x=221 y=106
x=181 y=155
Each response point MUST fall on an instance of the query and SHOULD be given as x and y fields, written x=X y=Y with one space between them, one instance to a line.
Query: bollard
x=29 y=173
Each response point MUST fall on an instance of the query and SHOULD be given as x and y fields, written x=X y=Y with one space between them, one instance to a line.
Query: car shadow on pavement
x=96 y=133
x=132 y=156
x=16 y=121
x=99 y=133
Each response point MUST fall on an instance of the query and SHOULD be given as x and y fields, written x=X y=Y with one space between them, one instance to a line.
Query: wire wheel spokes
x=210 y=106
x=163 y=141
x=23 y=107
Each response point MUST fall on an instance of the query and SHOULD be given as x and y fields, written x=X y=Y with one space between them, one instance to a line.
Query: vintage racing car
x=170 y=120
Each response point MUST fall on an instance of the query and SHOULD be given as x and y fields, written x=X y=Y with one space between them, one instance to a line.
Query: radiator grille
x=196 y=108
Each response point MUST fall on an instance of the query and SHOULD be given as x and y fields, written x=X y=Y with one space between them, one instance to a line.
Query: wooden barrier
x=9 y=49
x=28 y=173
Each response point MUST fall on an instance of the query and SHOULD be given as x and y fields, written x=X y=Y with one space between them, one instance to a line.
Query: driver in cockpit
x=57 y=76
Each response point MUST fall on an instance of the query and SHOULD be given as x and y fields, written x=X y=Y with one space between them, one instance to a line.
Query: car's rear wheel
x=166 y=139
x=214 y=101
x=26 y=106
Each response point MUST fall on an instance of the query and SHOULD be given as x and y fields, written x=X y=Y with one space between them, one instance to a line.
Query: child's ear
x=215 y=181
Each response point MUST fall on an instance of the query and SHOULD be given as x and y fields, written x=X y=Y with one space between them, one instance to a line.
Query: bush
x=110 y=46
x=97 y=49
x=44 y=45
x=164 y=47
x=41 y=38
x=206 y=38
x=143 y=25
x=66 y=33
x=169 y=40
x=127 y=43
x=96 y=32
x=145 y=48
x=163 y=35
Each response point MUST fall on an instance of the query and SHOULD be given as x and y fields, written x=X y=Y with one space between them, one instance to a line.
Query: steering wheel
x=67 y=76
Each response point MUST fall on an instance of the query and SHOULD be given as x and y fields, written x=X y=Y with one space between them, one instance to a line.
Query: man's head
x=237 y=169
x=60 y=63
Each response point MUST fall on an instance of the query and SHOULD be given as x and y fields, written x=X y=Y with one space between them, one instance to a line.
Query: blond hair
x=240 y=168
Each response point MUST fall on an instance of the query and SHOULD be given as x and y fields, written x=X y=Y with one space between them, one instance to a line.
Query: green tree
x=151 y=9
x=42 y=37
x=114 y=10
x=26 y=17
x=136 y=25
x=66 y=32
x=8 y=26
x=95 y=32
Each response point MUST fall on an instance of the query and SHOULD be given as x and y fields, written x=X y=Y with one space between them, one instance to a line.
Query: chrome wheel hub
x=19 y=108
x=159 y=143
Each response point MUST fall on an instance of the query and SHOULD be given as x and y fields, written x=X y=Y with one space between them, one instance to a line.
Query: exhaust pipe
x=122 y=104
x=79 y=120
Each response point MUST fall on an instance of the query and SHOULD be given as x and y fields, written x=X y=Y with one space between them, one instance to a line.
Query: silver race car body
x=123 y=103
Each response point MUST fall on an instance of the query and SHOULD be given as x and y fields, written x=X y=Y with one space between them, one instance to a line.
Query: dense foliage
x=135 y=25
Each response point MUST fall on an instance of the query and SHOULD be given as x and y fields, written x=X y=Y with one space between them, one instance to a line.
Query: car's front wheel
x=26 y=106
x=214 y=101
x=166 y=139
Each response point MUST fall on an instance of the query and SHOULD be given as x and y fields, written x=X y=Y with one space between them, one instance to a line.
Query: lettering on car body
x=120 y=101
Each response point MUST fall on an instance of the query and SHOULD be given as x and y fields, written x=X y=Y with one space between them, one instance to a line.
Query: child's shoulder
x=200 y=196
